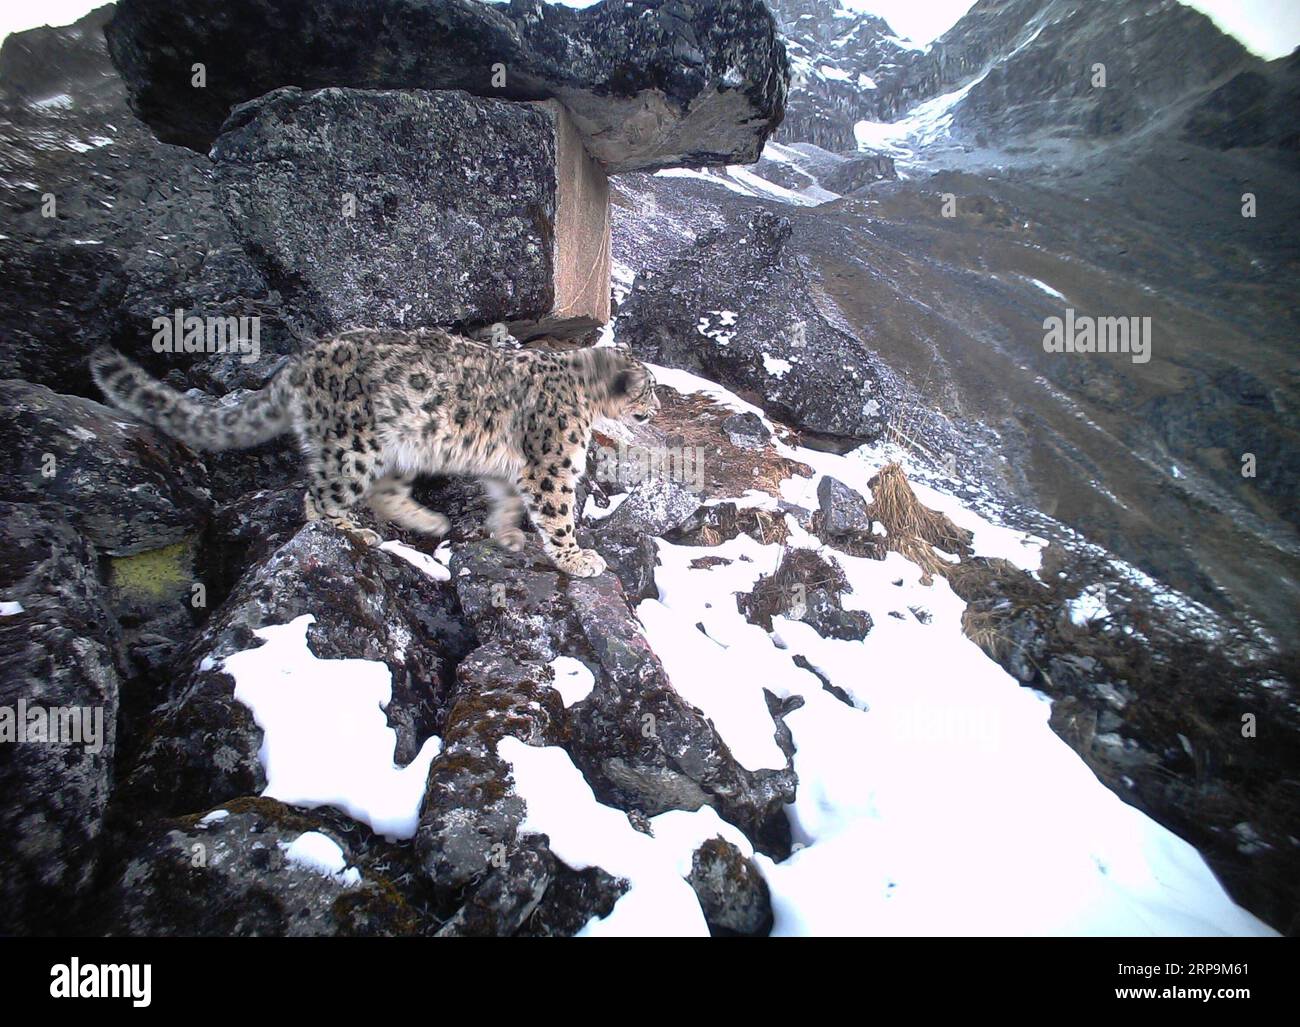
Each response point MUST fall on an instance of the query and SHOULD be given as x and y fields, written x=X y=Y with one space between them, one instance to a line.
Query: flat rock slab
x=392 y=209
x=651 y=84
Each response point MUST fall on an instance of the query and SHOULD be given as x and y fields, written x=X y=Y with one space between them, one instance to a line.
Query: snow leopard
x=374 y=408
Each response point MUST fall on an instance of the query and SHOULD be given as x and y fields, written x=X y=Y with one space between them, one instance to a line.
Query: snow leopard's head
x=632 y=393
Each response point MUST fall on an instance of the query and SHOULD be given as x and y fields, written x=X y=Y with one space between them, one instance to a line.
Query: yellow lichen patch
x=154 y=574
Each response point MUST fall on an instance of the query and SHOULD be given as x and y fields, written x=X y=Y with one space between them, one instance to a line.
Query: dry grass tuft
x=776 y=593
x=915 y=531
x=692 y=419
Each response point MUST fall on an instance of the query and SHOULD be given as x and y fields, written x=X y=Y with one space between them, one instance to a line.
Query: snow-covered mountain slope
x=1009 y=71
x=941 y=752
x=933 y=797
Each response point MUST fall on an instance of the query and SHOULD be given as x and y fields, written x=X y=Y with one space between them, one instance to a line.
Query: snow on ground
x=592 y=511
x=585 y=833
x=326 y=740
x=434 y=566
x=573 y=680
x=739 y=179
x=775 y=366
x=1089 y=606
x=941 y=802
x=1048 y=289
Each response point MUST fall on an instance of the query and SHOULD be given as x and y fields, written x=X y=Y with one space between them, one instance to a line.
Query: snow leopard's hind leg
x=390 y=498
x=507 y=512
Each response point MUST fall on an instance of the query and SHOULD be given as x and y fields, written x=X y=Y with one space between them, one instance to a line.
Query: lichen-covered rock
x=252 y=867
x=514 y=597
x=746 y=430
x=396 y=209
x=731 y=890
x=651 y=84
x=471 y=816
x=245 y=532
x=368 y=604
x=59 y=695
x=640 y=746
x=740 y=308
x=468 y=841
x=631 y=556
x=127 y=487
x=829 y=619
x=655 y=506
x=843 y=510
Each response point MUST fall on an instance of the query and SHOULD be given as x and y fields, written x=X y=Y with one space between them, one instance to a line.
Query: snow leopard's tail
x=254 y=419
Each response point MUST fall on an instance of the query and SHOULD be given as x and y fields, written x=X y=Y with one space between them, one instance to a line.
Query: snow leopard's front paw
x=363 y=535
x=428 y=522
x=512 y=539
x=585 y=563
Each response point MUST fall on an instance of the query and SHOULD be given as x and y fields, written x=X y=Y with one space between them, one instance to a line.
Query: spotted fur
x=373 y=409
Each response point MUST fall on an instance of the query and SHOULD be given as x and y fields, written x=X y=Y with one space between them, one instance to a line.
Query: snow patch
x=775 y=366
x=433 y=566
x=573 y=680
x=320 y=853
x=326 y=740
x=583 y=833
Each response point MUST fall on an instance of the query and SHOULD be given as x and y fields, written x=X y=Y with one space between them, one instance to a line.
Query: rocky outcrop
x=649 y=84
x=836 y=55
x=121 y=228
x=856 y=172
x=731 y=890
x=741 y=309
x=254 y=868
x=638 y=743
x=204 y=744
x=128 y=488
x=399 y=209
x=1256 y=107
x=59 y=697
x=1025 y=92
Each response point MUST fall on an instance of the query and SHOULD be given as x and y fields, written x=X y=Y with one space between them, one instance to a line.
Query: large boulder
x=254 y=868
x=650 y=84
x=742 y=309
x=395 y=209
x=121 y=228
x=59 y=696
x=129 y=489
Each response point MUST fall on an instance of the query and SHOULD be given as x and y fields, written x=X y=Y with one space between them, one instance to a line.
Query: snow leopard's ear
x=630 y=382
